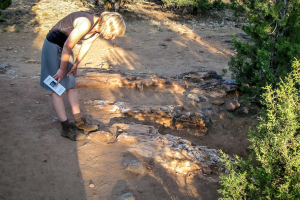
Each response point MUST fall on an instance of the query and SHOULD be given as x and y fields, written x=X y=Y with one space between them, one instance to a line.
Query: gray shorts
x=50 y=63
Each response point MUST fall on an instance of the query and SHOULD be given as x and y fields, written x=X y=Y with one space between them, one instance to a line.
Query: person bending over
x=58 y=61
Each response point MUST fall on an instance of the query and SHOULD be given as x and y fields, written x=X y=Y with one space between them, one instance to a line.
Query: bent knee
x=73 y=88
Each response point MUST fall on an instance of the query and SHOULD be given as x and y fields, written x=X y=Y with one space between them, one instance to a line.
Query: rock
x=196 y=98
x=218 y=102
x=134 y=166
x=232 y=106
x=31 y=61
x=2 y=68
x=246 y=37
x=126 y=196
x=91 y=185
x=244 y=112
x=171 y=152
x=124 y=137
x=102 y=136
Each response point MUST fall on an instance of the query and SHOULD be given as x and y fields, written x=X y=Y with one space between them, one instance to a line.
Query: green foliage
x=5 y=29
x=203 y=5
x=219 y=5
x=3 y=5
x=224 y=72
x=274 y=28
x=276 y=145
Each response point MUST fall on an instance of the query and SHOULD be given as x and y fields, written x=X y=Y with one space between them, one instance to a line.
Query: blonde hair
x=112 y=23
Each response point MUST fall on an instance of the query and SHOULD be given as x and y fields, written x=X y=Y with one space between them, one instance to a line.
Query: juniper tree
x=274 y=29
x=276 y=146
x=3 y=5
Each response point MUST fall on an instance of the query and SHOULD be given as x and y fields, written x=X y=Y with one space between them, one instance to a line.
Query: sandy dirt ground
x=37 y=163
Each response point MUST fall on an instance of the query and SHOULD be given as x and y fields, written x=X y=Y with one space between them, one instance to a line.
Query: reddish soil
x=37 y=163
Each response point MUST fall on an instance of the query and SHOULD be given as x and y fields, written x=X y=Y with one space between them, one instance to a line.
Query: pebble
x=232 y=106
x=218 y=102
x=126 y=196
x=134 y=166
x=31 y=61
x=196 y=98
x=91 y=185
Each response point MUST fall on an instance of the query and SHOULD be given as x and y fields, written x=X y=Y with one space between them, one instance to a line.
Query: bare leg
x=80 y=122
x=73 y=100
x=59 y=107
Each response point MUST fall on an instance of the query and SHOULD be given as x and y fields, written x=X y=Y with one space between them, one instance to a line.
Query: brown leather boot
x=82 y=124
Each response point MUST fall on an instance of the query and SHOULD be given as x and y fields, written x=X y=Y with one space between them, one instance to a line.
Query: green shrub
x=219 y=5
x=3 y=5
x=202 y=5
x=274 y=29
x=5 y=29
x=276 y=145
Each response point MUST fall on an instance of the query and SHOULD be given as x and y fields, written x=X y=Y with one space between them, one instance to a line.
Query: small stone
x=55 y=119
x=102 y=136
x=126 y=196
x=31 y=61
x=91 y=185
x=134 y=166
x=232 y=106
x=218 y=102
x=196 y=98
x=244 y=112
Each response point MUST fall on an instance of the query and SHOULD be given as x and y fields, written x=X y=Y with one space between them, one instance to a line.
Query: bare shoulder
x=82 y=23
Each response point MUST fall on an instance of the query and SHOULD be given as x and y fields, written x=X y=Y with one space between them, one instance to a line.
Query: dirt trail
x=37 y=163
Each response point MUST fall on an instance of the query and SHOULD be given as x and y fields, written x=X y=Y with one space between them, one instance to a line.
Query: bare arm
x=81 y=29
x=82 y=52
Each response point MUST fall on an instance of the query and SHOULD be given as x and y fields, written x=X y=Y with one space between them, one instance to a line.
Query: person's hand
x=59 y=75
x=73 y=70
